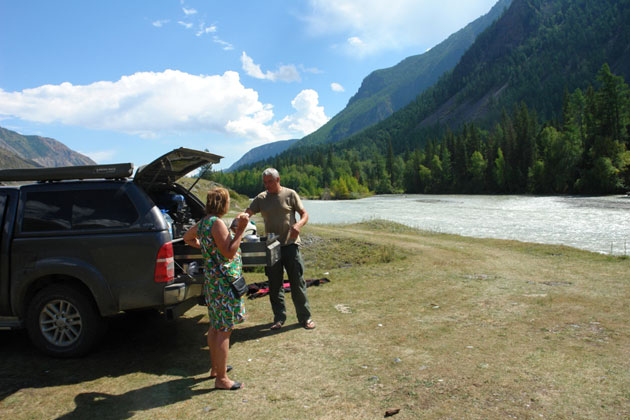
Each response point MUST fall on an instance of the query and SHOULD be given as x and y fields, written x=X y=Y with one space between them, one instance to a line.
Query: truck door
x=3 y=258
x=3 y=200
x=7 y=205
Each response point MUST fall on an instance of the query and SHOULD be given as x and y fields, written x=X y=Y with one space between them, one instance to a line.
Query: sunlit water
x=600 y=224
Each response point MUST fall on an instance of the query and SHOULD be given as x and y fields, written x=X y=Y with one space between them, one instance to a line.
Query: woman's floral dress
x=224 y=309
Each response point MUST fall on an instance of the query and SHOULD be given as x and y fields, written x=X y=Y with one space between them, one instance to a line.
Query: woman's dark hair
x=218 y=201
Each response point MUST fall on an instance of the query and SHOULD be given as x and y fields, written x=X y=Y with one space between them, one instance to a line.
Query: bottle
x=169 y=222
x=193 y=268
x=251 y=228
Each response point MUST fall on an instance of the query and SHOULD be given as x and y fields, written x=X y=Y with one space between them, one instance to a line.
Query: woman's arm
x=227 y=245
x=190 y=237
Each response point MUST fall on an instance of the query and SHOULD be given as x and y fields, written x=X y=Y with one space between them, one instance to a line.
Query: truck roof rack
x=113 y=171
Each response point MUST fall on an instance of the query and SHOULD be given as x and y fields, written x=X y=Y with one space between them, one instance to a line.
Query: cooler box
x=265 y=252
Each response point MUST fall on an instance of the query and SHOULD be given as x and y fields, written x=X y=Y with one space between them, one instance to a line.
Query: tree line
x=584 y=151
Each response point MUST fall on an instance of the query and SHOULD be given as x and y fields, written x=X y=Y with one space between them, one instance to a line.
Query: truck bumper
x=180 y=297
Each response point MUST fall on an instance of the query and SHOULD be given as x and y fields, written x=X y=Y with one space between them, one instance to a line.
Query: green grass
x=444 y=327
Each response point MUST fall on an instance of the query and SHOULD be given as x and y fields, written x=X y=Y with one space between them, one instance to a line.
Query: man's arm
x=295 y=229
x=253 y=208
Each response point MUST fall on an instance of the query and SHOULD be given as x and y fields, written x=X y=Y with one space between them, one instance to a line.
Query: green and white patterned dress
x=224 y=310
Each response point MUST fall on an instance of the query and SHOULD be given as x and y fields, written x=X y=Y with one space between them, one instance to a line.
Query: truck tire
x=63 y=322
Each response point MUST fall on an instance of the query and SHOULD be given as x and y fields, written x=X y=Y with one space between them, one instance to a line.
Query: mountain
x=387 y=90
x=261 y=152
x=19 y=151
x=11 y=160
x=536 y=51
x=537 y=104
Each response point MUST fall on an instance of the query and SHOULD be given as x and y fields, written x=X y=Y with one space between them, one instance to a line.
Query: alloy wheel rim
x=60 y=323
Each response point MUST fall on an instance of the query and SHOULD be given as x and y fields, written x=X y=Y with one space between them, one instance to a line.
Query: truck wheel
x=63 y=322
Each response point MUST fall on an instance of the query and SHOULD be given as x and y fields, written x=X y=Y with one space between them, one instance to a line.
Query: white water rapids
x=599 y=224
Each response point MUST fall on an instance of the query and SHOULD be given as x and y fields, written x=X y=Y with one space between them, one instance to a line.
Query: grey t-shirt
x=278 y=212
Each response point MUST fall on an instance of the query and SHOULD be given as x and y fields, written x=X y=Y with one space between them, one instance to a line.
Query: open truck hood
x=172 y=166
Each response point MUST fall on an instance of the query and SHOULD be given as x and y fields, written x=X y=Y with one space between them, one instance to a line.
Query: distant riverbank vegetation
x=584 y=151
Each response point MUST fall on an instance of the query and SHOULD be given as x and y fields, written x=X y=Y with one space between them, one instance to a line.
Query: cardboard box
x=263 y=253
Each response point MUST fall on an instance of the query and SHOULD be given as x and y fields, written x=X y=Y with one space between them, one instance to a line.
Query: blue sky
x=126 y=81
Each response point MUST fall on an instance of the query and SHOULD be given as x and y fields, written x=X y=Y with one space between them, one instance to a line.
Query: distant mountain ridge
x=535 y=52
x=19 y=151
x=261 y=152
x=11 y=160
x=538 y=104
x=387 y=90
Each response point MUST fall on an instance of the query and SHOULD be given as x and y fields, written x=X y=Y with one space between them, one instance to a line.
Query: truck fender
x=49 y=270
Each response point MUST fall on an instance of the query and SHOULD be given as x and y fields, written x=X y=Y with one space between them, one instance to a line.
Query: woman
x=222 y=256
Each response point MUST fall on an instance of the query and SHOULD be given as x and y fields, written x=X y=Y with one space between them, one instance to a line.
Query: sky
x=130 y=80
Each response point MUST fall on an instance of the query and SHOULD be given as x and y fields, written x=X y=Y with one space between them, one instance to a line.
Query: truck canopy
x=172 y=166
x=113 y=171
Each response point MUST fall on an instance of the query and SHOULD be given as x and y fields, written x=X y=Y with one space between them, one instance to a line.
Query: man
x=278 y=206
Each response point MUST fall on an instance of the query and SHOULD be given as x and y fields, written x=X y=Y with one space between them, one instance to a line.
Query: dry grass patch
x=451 y=327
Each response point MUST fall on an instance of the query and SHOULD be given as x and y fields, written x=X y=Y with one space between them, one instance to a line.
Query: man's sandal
x=309 y=324
x=277 y=325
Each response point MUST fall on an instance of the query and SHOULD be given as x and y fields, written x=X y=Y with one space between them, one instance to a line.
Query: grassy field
x=436 y=326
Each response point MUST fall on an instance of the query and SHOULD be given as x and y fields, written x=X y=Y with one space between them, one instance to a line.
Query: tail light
x=165 y=264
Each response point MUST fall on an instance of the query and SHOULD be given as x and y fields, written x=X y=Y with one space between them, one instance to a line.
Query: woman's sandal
x=235 y=386
x=229 y=368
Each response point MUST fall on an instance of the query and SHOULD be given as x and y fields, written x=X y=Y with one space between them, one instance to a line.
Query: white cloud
x=150 y=105
x=309 y=116
x=100 y=155
x=355 y=41
x=159 y=23
x=203 y=29
x=390 y=24
x=285 y=73
x=312 y=70
x=250 y=68
x=336 y=87
x=146 y=104
x=226 y=45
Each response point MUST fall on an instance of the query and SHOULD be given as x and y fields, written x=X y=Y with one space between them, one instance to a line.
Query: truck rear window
x=77 y=210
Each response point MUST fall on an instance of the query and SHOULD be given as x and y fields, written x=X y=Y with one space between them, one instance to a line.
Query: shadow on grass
x=142 y=342
x=106 y=406
x=259 y=331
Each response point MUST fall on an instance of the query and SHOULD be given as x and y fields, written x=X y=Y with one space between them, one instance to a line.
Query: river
x=598 y=224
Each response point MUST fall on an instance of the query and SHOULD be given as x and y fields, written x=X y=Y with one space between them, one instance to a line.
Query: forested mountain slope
x=535 y=53
x=538 y=104
x=387 y=90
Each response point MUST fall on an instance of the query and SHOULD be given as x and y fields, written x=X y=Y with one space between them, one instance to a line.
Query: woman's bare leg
x=221 y=346
x=211 y=341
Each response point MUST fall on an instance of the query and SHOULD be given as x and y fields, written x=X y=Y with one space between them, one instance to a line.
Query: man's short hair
x=271 y=171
